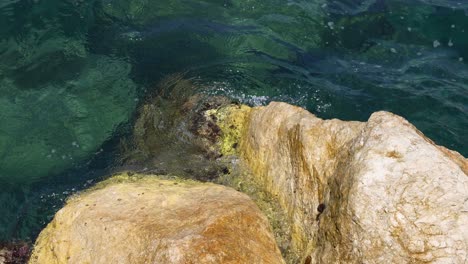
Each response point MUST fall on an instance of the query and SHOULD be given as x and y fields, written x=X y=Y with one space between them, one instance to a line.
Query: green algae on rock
x=240 y=179
x=144 y=219
x=320 y=182
x=172 y=128
x=359 y=192
x=231 y=121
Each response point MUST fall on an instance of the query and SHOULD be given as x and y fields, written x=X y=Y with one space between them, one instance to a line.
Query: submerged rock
x=175 y=134
x=355 y=192
x=14 y=252
x=144 y=219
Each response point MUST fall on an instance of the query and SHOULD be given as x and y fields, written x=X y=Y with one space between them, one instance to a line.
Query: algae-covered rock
x=231 y=122
x=354 y=192
x=282 y=144
x=174 y=132
x=144 y=219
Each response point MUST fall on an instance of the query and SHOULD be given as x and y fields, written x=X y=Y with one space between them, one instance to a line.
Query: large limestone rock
x=134 y=219
x=355 y=192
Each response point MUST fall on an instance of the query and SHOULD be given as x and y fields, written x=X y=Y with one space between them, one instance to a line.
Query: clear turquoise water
x=72 y=73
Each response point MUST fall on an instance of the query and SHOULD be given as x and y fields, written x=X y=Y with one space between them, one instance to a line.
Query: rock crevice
x=373 y=192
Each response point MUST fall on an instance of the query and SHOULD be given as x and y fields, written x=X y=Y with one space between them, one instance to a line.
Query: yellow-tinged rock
x=143 y=219
x=360 y=192
x=231 y=120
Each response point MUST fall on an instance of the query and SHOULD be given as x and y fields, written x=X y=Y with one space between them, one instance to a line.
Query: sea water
x=72 y=73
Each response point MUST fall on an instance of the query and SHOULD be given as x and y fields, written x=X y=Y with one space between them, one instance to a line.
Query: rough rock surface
x=14 y=252
x=355 y=192
x=134 y=219
x=174 y=133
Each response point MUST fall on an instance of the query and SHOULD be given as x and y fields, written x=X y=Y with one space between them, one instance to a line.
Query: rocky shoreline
x=328 y=191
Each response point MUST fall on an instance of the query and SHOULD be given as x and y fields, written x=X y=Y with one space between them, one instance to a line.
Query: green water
x=73 y=72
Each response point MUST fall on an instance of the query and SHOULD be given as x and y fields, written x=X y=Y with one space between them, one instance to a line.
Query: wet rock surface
x=175 y=134
x=14 y=252
x=144 y=219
